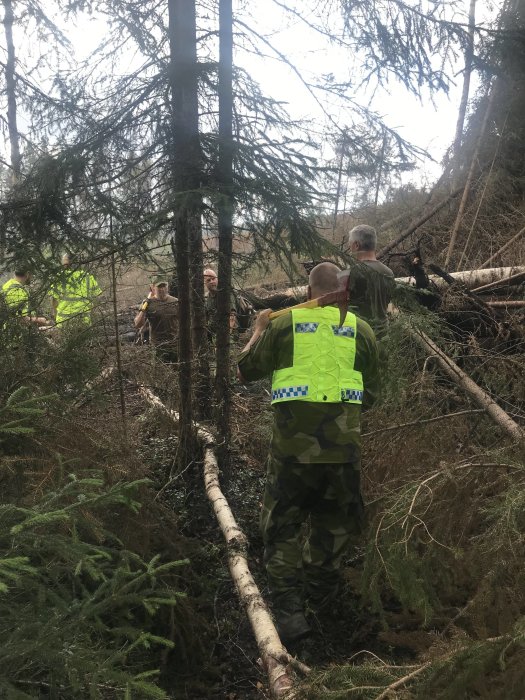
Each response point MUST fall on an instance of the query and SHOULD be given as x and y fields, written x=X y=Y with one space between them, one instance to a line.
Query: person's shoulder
x=380 y=267
x=281 y=324
x=171 y=299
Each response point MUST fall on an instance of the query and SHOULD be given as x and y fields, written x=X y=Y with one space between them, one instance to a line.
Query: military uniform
x=163 y=317
x=313 y=466
x=371 y=288
x=210 y=306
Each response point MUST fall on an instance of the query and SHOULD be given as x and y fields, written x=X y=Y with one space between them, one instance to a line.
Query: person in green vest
x=323 y=375
x=16 y=298
x=73 y=295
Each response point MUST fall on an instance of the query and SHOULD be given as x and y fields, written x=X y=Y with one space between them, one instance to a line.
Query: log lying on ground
x=516 y=278
x=510 y=303
x=476 y=392
x=273 y=654
x=472 y=279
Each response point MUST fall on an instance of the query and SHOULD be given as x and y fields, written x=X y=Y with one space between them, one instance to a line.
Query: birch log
x=274 y=656
x=509 y=303
x=470 y=278
x=476 y=392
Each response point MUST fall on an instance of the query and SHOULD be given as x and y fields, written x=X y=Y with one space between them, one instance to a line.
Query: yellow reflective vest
x=16 y=297
x=75 y=297
x=323 y=360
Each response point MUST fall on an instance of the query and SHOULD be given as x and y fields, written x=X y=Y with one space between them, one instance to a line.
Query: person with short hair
x=16 y=297
x=372 y=283
x=323 y=375
x=73 y=295
x=210 y=303
x=161 y=310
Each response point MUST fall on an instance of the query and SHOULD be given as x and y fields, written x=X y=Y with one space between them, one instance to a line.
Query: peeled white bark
x=274 y=656
x=472 y=278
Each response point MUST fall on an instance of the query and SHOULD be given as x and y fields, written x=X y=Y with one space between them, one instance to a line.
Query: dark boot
x=292 y=627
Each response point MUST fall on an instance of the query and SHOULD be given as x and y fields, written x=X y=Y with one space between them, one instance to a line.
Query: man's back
x=163 y=317
x=307 y=432
x=371 y=287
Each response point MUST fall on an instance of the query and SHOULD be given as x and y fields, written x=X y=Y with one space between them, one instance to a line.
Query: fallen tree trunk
x=503 y=248
x=510 y=303
x=274 y=656
x=515 y=278
x=417 y=223
x=476 y=392
x=472 y=279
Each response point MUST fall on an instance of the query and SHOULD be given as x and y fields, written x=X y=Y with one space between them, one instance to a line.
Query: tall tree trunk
x=198 y=318
x=10 y=83
x=11 y=90
x=469 y=55
x=184 y=161
x=225 y=221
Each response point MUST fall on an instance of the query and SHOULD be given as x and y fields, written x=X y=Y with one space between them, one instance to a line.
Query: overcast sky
x=428 y=122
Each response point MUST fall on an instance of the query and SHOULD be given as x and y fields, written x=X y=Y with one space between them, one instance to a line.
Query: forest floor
x=434 y=594
x=354 y=629
x=374 y=618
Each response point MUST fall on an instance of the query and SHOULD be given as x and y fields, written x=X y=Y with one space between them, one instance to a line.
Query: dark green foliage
x=20 y=409
x=77 y=610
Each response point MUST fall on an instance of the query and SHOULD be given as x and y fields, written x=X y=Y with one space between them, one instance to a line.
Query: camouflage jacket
x=307 y=432
x=371 y=287
x=210 y=306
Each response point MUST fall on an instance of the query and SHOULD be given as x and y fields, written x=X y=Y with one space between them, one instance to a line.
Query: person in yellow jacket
x=16 y=298
x=74 y=294
x=323 y=375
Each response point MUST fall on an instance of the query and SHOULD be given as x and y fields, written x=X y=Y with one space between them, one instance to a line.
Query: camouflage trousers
x=311 y=514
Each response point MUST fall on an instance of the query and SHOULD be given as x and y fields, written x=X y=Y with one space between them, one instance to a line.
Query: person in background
x=73 y=295
x=323 y=375
x=372 y=283
x=16 y=297
x=161 y=310
x=210 y=304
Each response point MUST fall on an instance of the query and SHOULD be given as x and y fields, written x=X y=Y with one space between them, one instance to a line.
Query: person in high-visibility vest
x=322 y=377
x=16 y=298
x=74 y=294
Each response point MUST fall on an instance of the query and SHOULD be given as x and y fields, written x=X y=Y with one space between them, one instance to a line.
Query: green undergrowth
x=93 y=575
x=444 y=554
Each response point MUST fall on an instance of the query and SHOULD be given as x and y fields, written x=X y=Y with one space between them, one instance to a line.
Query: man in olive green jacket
x=314 y=463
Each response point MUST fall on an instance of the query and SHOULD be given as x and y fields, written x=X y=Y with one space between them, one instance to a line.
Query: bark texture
x=184 y=159
x=225 y=221
x=274 y=656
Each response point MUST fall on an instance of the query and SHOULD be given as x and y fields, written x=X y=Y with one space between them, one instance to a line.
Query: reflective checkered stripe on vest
x=75 y=298
x=323 y=360
x=16 y=297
